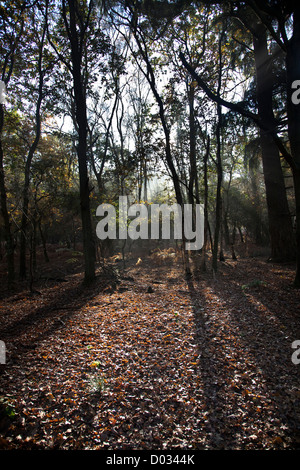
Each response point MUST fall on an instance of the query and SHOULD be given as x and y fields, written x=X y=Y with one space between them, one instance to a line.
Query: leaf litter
x=200 y=363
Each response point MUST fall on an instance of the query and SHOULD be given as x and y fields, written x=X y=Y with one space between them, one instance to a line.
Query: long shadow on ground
x=251 y=387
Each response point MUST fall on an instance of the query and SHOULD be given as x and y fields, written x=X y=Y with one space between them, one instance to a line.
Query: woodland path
x=203 y=363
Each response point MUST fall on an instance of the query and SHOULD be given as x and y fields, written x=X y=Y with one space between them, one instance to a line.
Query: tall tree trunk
x=150 y=76
x=25 y=212
x=280 y=223
x=219 y=193
x=296 y=176
x=30 y=155
x=193 y=182
x=81 y=119
x=293 y=109
x=5 y=76
x=206 y=225
x=4 y=210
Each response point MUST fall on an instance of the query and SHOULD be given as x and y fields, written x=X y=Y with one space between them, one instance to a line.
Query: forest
x=120 y=333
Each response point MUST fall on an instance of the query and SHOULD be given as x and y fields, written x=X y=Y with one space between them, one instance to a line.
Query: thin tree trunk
x=4 y=211
x=150 y=76
x=206 y=225
x=43 y=238
x=30 y=155
x=233 y=255
x=218 y=194
x=193 y=183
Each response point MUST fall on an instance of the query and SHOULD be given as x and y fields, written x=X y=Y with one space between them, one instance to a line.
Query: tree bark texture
x=280 y=222
x=81 y=118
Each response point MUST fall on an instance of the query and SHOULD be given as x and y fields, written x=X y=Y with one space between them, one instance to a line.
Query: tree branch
x=239 y=108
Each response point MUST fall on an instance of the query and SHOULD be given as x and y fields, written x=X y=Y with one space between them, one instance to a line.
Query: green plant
x=76 y=253
x=255 y=283
x=71 y=260
x=6 y=408
x=97 y=383
x=176 y=315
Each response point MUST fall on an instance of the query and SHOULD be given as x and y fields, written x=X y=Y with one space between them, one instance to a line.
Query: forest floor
x=153 y=361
